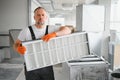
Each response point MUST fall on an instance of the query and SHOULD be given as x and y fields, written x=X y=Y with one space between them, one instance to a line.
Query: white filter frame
x=40 y=54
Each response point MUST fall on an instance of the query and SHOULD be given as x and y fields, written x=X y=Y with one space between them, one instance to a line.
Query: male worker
x=39 y=31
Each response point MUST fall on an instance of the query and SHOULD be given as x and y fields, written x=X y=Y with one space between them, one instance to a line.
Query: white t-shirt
x=26 y=35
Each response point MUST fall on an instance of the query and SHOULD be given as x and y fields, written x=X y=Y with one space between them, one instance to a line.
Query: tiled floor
x=9 y=74
x=12 y=69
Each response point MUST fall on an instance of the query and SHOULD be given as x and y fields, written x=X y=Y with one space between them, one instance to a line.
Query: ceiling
x=62 y=6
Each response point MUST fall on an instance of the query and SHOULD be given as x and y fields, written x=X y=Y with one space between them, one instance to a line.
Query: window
x=115 y=17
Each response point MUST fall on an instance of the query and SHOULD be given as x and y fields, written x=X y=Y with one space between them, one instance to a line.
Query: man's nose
x=41 y=16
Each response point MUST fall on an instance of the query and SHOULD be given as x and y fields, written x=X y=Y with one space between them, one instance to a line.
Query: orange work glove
x=47 y=37
x=21 y=49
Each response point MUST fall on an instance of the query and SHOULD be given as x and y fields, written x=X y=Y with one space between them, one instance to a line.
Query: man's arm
x=64 y=30
x=16 y=44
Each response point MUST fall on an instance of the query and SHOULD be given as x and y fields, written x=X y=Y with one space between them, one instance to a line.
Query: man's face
x=40 y=16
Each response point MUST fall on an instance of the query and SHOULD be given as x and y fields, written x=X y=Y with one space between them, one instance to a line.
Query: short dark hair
x=39 y=8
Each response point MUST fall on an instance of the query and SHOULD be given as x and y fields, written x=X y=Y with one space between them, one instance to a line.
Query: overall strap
x=32 y=33
x=46 y=32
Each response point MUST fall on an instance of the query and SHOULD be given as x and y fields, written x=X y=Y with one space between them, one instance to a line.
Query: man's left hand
x=47 y=37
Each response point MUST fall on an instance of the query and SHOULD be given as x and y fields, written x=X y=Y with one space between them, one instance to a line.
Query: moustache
x=40 y=23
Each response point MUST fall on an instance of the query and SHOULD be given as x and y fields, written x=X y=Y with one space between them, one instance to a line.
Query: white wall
x=70 y=19
x=13 y=14
x=90 y=18
x=103 y=43
x=56 y=21
x=106 y=33
x=115 y=17
x=93 y=18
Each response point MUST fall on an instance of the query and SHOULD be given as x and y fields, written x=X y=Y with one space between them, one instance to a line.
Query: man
x=39 y=31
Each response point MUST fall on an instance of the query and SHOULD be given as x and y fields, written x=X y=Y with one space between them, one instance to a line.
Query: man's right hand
x=21 y=49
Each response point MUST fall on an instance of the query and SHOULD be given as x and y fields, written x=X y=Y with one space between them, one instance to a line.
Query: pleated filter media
x=60 y=49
